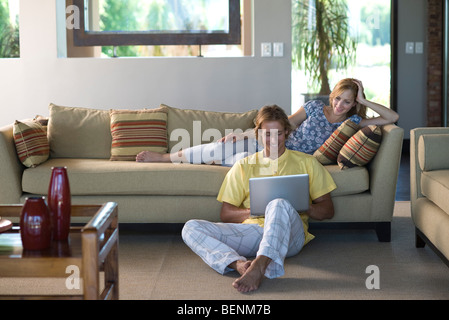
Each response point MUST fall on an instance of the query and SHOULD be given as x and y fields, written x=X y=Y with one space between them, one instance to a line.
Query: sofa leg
x=419 y=241
x=383 y=231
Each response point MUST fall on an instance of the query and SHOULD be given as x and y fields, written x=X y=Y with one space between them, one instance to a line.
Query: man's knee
x=279 y=202
x=280 y=206
x=188 y=228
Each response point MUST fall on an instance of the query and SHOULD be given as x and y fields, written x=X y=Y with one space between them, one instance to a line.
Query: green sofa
x=80 y=139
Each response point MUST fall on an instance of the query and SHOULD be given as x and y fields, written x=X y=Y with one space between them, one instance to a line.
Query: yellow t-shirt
x=235 y=187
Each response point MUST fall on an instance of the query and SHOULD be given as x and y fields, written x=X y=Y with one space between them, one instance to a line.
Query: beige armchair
x=429 y=188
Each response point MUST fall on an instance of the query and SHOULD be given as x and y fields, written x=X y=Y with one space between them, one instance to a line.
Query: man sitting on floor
x=282 y=232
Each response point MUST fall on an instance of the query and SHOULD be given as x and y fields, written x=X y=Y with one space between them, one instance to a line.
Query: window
x=128 y=24
x=9 y=29
x=369 y=26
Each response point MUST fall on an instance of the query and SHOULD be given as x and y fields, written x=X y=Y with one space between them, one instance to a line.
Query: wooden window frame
x=82 y=37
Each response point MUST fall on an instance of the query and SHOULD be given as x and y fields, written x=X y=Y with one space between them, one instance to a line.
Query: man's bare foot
x=240 y=266
x=151 y=156
x=253 y=276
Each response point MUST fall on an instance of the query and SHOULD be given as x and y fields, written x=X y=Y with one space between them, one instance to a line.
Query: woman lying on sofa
x=314 y=123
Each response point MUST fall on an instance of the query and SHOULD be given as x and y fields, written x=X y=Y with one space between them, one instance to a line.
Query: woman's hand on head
x=360 y=95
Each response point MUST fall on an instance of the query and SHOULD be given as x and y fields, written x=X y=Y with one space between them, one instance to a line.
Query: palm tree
x=321 y=39
x=9 y=34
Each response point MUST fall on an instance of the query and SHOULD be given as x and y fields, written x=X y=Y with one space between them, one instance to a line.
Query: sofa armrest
x=384 y=169
x=415 y=169
x=11 y=168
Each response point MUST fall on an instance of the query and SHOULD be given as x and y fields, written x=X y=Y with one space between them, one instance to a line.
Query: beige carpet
x=158 y=265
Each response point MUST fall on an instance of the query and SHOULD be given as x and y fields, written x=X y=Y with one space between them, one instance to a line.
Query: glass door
x=369 y=35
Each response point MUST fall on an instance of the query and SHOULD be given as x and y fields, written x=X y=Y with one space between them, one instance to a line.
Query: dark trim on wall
x=81 y=37
x=394 y=55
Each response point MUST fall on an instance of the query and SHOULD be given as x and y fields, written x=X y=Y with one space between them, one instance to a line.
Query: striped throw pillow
x=327 y=153
x=134 y=131
x=360 y=148
x=32 y=146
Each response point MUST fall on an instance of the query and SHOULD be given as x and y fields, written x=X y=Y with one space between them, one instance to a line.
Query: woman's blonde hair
x=272 y=113
x=348 y=84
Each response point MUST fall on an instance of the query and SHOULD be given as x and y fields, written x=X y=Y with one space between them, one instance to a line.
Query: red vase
x=59 y=203
x=35 y=224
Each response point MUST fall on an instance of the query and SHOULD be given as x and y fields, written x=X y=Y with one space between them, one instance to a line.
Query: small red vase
x=59 y=203
x=35 y=224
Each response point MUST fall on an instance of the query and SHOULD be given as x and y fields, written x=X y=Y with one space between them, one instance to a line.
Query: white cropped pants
x=222 y=153
x=220 y=244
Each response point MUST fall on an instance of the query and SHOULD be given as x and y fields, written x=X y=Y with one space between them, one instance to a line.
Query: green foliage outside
x=155 y=15
x=119 y=15
x=321 y=40
x=9 y=33
x=369 y=22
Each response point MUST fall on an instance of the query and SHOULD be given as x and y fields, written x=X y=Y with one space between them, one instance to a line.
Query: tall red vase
x=59 y=203
x=35 y=224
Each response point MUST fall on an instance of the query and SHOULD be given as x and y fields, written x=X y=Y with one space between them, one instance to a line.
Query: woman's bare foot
x=253 y=276
x=151 y=156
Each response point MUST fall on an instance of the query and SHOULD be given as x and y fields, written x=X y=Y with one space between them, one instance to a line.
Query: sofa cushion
x=31 y=142
x=134 y=131
x=435 y=186
x=104 y=177
x=327 y=153
x=187 y=127
x=79 y=133
x=432 y=154
x=350 y=181
x=360 y=148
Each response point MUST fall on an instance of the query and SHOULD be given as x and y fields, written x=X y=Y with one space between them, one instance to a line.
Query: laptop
x=294 y=188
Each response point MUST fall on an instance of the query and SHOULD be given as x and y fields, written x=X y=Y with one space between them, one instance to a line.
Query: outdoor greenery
x=376 y=29
x=119 y=15
x=9 y=33
x=158 y=15
x=369 y=26
x=321 y=40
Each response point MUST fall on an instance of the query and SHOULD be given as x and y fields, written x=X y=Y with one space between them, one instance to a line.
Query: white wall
x=412 y=68
x=29 y=84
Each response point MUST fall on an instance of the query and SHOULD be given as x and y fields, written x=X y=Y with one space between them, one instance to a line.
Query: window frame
x=82 y=37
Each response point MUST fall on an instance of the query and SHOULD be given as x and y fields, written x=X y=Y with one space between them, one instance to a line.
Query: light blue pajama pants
x=220 y=244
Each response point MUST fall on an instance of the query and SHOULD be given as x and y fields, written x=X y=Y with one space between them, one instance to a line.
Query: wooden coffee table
x=91 y=249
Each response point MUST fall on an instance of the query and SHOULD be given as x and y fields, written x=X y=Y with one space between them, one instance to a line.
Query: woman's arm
x=386 y=115
x=232 y=214
x=295 y=119
x=298 y=117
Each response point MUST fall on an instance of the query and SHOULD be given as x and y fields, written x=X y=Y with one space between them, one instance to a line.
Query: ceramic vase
x=35 y=224
x=59 y=203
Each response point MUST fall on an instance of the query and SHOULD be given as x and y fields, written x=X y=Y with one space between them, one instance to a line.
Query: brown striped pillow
x=327 y=153
x=360 y=148
x=32 y=146
x=134 y=131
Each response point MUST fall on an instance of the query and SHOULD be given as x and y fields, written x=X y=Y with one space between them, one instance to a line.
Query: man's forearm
x=232 y=214
x=321 y=208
